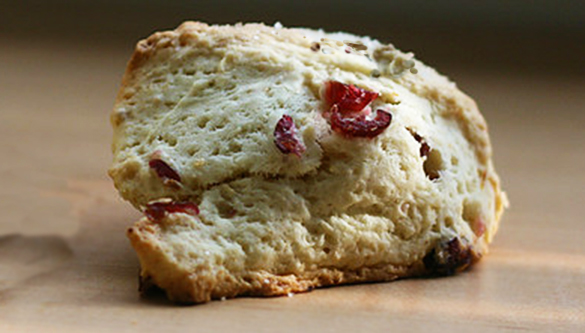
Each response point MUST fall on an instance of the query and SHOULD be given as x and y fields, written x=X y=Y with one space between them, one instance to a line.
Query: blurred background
x=530 y=36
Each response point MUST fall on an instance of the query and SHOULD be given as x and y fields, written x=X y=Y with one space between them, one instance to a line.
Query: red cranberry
x=348 y=97
x=157 y=210
x=163 y=170
x=360 y=126
x=286 y=137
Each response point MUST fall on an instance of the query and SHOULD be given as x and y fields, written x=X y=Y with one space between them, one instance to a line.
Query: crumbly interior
x=206 y=99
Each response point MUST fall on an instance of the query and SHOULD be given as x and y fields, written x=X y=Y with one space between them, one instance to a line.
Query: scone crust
x=189 y=287
x=183 y=281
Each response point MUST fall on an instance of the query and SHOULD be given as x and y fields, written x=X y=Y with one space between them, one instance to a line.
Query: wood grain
x=65 y=264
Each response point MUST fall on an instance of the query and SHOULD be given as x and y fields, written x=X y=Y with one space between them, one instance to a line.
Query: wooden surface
x=65 y=263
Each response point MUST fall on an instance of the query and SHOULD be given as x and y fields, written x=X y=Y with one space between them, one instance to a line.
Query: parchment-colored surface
x=65 y=264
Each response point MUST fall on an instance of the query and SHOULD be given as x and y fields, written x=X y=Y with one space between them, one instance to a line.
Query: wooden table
x=65 y=263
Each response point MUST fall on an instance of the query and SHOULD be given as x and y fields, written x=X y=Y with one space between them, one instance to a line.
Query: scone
x=271 y=161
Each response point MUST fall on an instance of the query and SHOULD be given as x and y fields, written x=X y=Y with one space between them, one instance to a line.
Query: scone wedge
x=270 y=160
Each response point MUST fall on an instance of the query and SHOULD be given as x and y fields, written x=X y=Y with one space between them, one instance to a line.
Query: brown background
x=65 y=263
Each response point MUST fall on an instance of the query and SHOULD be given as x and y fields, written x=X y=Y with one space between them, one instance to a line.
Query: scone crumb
x=349 y=47
x=198 y=163
x=394 y=63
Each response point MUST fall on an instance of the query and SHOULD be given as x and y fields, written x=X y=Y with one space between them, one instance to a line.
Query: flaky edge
x=181 y=285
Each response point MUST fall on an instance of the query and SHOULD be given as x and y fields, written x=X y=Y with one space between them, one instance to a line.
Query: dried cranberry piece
x=448 y=258
x=425 y=149
x=285 y=137
x=157 y=210
x=359 y=126
x=348 y=97
x=163 y=170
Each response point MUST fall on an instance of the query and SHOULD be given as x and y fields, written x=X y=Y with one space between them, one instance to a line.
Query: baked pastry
x=271 y=161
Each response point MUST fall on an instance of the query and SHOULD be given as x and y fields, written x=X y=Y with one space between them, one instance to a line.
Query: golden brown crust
x=190 y=287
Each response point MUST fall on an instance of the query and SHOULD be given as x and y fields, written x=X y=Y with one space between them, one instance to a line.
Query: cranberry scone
x=270 y=161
